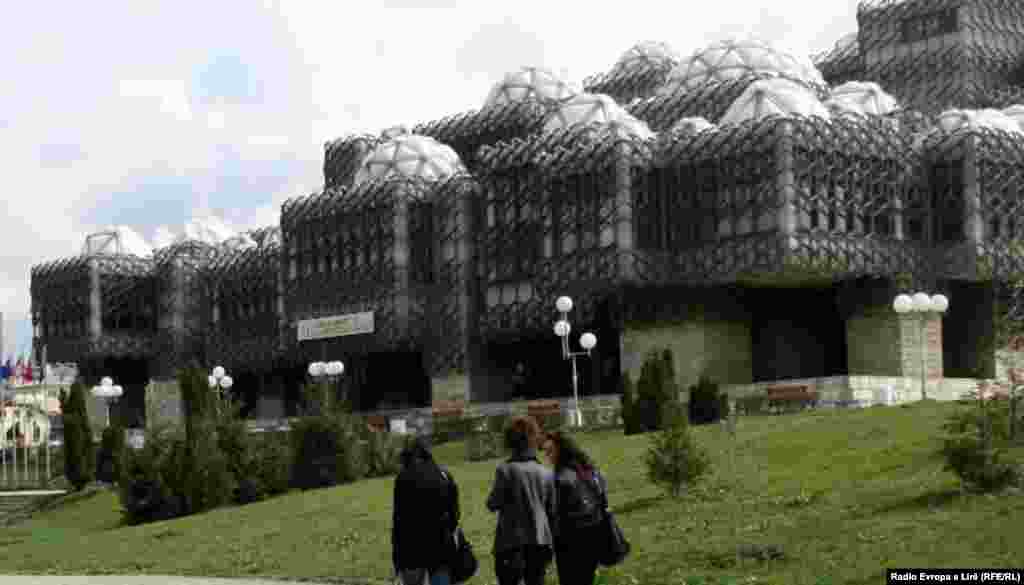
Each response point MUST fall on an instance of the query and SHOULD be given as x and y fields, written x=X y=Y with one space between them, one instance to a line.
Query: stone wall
x=451 y=388
x=163 y=403
x=860 y=391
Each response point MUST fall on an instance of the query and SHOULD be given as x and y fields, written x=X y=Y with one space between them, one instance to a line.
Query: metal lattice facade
x=592 y=210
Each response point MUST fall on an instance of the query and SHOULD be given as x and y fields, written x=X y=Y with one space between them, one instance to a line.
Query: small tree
x=650 y=393
x=630 y=421
x=111 y=454
x=707 y=403
x=674 y=459
x=79 y=449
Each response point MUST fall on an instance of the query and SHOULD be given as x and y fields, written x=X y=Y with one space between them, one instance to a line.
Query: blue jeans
x=417 y=576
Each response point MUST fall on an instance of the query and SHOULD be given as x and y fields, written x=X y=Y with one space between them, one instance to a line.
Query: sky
x=145 y=113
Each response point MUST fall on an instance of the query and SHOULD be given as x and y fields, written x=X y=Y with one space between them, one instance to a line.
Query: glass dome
x=952 y=120
x=692 y=126
x=733 y=59
x=591 y=108
x=529 y=83
x=646 y=54
x=861 y=97
x=117 y=240
x=410 y=155
x=774 y=97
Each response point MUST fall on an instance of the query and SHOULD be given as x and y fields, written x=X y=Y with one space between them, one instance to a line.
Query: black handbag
x=463 y=564
x=612 y=543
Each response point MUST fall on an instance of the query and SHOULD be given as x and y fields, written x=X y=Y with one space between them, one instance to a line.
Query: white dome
x=239 y=242
x=861 y=97
x=646 y=54
x=692 y=126
x=733 y=59
x=952 y=120
x=591 y=108
x=773 y=97
x=117 y=240
x=529 y=83
x=1016 y=112
x=209 y=229
x=410 y=155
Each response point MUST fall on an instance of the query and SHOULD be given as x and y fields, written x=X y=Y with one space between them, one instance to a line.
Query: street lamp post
x=108 y=392
x=587 y=342
x=326 y=372
x=220 y=382
x=921 y=305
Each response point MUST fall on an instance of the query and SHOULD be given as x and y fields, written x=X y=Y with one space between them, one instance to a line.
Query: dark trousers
x=576 y=564
x=525 y=566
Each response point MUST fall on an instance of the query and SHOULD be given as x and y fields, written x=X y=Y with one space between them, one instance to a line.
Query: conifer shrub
x=79 y=449
x=657 y=395
x=148 y=477
x=111 y=454
x=977 y=443
x=674 y=459
x=707 y=403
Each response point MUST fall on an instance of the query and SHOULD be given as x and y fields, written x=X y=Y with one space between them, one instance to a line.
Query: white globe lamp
x=903 y=304
x=588 y=341
x=922 y=302
x=563 y=304
x=562 y=328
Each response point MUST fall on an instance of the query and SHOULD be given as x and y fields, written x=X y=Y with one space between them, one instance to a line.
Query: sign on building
x=337 y=326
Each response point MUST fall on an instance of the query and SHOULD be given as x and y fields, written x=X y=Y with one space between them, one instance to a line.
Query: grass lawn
x=842 y=494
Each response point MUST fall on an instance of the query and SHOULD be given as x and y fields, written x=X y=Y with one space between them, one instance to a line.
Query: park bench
x=377 y=422
x=786 y=398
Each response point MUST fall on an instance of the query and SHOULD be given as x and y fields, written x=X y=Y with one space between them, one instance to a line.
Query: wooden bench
x=786 y=397
x=377 y=423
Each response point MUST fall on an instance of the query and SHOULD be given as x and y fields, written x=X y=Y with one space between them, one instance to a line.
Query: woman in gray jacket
x=523 y=495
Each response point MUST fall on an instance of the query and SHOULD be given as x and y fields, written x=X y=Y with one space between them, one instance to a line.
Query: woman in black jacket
x=580 y=509
x=426 y=512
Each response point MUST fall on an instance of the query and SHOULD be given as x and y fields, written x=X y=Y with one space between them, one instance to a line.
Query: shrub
x=327 y=450
x=674 y=459
x=383 y=454
x=79 y=449
x=146 y=486
x=235 y=443
x=273 y=463
x=655 y=390
x=976 y=443
x=203 y=476
x=630 y=421
x=110 y=457
x=707 y=404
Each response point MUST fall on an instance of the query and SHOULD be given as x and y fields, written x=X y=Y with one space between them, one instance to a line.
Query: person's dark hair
x=570 y=455
x=522 y=433
x=416 y=449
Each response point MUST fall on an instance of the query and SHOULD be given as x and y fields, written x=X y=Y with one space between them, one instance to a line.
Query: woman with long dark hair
x=426 y=513
x=580 y=509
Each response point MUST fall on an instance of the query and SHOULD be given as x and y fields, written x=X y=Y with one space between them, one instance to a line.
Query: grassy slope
x=844 y=493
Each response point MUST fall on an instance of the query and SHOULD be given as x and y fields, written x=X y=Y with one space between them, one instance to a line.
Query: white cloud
x=117 y=84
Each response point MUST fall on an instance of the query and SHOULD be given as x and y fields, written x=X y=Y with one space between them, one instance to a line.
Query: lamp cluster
x=333 y=368
x=920 y=303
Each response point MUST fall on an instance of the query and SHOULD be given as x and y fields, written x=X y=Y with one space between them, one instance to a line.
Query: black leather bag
x=613 y=548
x=463 y=564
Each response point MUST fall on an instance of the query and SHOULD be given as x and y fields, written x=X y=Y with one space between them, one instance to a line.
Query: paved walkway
x=33 y=493
x=155 y=580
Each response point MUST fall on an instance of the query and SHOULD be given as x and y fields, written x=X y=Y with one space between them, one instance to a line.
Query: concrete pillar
x=881 y=342
x=624 y=224
x=785 y=183
x=95 y=302
x=400 y=254
x=163 y=403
